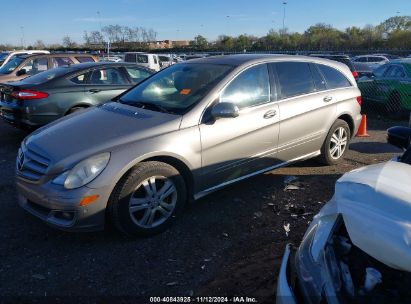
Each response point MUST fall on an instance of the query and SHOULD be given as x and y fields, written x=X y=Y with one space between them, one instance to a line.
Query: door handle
x=327 y=98
x=270 y=114
x=94 y=90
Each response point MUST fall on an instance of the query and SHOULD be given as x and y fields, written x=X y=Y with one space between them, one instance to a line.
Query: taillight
x=355 y=74
x=28 y=94
x=359 y=100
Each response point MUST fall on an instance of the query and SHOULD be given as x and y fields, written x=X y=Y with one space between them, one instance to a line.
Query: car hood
x=375 y=202
x=95 y=130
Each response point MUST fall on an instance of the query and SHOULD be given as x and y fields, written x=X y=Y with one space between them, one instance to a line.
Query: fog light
x=88 y=199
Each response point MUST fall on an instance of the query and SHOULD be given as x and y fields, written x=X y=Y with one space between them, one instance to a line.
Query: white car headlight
x=84 y=172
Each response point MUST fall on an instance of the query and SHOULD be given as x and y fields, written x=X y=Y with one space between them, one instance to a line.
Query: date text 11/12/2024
x=203 y=300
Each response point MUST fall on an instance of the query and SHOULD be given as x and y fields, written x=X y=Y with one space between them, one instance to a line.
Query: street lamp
x=284 y=4
x=22 y=37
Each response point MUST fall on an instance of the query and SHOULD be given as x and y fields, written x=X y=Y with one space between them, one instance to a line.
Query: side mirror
x=224 y=110
x=399 y=137
x=21 y=72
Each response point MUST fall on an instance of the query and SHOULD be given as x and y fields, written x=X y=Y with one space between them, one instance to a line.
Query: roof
x=244 y=59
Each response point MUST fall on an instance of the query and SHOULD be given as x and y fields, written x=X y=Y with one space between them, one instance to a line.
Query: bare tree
x=68 y=42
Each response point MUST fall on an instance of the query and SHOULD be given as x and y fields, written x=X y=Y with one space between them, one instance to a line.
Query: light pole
x=22 y=37
x=228 y=25
x=284 y=4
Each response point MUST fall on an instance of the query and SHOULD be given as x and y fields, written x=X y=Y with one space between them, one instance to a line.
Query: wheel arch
x=350 y=122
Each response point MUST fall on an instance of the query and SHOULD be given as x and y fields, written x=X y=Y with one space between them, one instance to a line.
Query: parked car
x=149 y=61
x=7 y=56
x=47 y=96
x=340 y=58
x=110 y=59
x=365 y=64
x=22 y=66
x=389 y=86
x=166 y=60
x=357 y=248
x=183 y=133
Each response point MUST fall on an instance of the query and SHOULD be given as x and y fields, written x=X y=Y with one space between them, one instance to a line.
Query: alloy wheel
x=338 y=143
x=153 y=202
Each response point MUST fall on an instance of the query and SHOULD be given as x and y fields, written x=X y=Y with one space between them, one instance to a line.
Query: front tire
x=336 y=143
x=148 y=199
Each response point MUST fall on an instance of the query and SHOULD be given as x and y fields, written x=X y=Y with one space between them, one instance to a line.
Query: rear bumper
x=24 y=116
x=285 y=295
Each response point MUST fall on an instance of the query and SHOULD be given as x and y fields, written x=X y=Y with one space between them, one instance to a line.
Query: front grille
x=31 y=165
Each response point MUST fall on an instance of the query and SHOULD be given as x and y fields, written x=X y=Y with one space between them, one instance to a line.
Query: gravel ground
x=228 y=243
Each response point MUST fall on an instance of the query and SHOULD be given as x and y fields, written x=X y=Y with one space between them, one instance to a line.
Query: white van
x=150 y=61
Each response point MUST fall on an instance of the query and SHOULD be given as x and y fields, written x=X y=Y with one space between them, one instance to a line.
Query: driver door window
x=35 y=66
x=250 y=88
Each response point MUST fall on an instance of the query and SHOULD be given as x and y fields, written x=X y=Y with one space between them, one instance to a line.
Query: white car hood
x=375 y=202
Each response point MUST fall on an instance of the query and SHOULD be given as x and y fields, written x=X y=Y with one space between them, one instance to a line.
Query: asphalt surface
x=228 y=243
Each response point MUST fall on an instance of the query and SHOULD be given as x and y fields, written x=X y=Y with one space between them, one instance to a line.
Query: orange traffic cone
x=362 y=130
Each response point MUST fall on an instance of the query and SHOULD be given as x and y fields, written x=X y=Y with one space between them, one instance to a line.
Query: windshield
x=177 y=88
x=11 y=65
x=46 y=76
x=3 y=56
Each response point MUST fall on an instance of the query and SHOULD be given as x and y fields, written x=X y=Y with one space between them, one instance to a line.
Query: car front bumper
x=61 y=208
x=285 y=294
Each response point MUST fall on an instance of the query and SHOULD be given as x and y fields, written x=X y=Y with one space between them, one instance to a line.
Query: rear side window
x=61 y=61
x=142 y=58
x=106 y=77
x=295 y=78
x=248 y=89
x=137 y=75
x=375 y=59
x=395 y=72
x=79 y=79
x=130 y=58
x=334 y=78
x=318 y=79
x=85 y=59
x=379 y=72
x=361 y=59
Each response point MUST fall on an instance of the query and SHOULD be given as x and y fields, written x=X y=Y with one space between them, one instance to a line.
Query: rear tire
x=148 y=199
x=336 y=143
x=75 y=109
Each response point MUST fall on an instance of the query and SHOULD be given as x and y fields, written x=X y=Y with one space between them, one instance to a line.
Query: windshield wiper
x=145 y=105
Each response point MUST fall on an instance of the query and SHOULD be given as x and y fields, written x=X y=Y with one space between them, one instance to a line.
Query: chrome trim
x=215 y=188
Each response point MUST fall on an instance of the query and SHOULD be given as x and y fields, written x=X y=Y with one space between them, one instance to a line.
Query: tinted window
x=61 y=61
x=164 y=58
x=136 y=74
x=295 y=78
x=375 y=59
x=142 y=58
x=250 y=88
x=130 y=58
x=155 y=59
x=334 y=78
x=318 y=79
x=106 y=77
x=85 y=59
x=79 y=79
x=361 y=59
x=379 y=72
x=35 y=66
x=395 y=72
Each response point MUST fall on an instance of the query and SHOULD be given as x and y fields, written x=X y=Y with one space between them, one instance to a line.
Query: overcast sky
x=50 y=20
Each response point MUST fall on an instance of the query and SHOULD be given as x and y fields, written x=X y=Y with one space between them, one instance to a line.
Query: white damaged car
x=357 y=249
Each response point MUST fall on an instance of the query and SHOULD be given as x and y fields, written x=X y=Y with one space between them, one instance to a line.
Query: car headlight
x=84 y=172
x=315 y=263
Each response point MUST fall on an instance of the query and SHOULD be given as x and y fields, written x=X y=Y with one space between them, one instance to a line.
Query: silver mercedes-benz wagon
x=184 y=132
